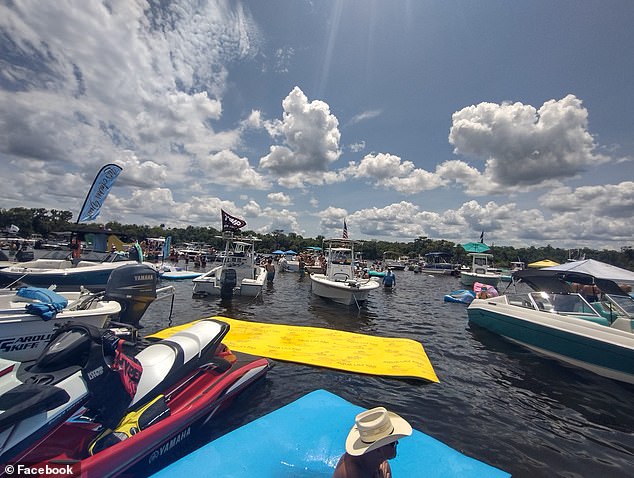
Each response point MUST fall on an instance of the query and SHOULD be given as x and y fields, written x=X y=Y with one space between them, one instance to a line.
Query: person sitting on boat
x=389 y=279
x=371 y=443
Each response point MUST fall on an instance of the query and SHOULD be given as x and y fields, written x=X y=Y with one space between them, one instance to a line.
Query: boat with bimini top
x=480 y=271
x=553 y=320
x=340 y=283
x=239 y=274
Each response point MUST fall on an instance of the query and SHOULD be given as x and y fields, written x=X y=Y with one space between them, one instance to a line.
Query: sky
x=407 y=119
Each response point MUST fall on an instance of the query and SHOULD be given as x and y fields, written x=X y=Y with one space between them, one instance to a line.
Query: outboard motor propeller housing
x=134 y=287
x=228 y=281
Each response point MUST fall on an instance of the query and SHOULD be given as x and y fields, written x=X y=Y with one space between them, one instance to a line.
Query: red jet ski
x=90 y=407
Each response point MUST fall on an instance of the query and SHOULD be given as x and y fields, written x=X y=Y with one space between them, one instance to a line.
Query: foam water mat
x=336 y=349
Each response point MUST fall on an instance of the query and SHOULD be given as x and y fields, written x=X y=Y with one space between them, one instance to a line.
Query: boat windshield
x=571 y=304
x=556 y=303
x=621 y=304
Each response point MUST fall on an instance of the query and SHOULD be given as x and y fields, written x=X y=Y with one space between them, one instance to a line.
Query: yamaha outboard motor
x=228 y=280
x=134 y=287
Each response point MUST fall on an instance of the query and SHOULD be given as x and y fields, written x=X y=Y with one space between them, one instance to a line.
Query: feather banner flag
x=167 y=246
x=345 y=230
x=98 y=192
x=231 y=223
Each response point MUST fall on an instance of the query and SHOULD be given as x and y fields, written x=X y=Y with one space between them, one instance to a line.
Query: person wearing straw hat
x=371 y=443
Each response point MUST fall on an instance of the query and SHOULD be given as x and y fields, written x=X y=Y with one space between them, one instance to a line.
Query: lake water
x=496 y=402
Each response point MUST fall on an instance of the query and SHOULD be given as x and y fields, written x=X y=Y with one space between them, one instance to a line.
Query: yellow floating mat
x=336 y=349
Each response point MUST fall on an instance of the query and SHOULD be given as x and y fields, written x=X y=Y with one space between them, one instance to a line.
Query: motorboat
x=30 y=315
x=168 y=272
x=100 y=405
x=237 y=275
x=553 y=320
x=480 y=271
x=57 y=268
x=311 y=257
x=391 y=260
x=438 y=263
x=340 y=282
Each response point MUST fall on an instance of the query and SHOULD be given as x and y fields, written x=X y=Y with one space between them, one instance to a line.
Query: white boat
x=237 y=275
x=480 y=271
x=438 y=263
x=57 y=268
x=29 y=315
x=340 y=282
x=554 y=321
x=391 y=260
x=311 y=257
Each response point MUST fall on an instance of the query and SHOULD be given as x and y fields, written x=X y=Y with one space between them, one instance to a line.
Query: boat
x=30 y=315
x=391 y=260
x=311 y=256
x=237 y=275
x=438 y=263
x=480 y=271
x=306 y=438
x=99 y=416
x=57 y=268
x=559 y=323
x=340 y=283
x=177 y=273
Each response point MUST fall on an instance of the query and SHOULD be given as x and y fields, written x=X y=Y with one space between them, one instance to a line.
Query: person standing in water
x=270 y=270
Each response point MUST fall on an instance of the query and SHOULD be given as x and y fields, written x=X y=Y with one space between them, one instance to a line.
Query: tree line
x=45 y=222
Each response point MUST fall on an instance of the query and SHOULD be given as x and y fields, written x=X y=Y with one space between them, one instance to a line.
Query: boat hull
x=92 y=277
x=470 y=278
x=346 y=293
x=598 y=348
x=209 y=283
x=24 y=336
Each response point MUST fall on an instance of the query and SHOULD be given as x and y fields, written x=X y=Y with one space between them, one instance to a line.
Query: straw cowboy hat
x=375 y=428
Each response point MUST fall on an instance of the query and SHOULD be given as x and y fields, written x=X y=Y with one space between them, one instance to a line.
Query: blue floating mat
x=305 y=440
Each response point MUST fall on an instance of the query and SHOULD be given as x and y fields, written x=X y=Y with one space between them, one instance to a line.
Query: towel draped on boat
x=49 y=302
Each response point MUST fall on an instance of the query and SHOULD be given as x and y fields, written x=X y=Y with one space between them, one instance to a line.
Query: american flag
x=345 y=230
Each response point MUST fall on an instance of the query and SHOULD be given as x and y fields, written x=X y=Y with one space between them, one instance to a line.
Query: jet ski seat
x=161 y=361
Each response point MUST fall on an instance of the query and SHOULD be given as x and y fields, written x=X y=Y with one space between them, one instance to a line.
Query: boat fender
x=480 y=270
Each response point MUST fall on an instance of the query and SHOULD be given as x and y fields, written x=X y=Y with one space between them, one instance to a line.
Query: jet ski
x=29 y=315
x=99 y=404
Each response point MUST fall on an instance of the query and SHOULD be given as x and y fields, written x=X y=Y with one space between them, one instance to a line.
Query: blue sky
x=407 y=118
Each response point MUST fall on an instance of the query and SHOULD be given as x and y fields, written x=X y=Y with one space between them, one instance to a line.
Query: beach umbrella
x=290 y=252
x=543 y=263
x=278 y=252
x=475 y=247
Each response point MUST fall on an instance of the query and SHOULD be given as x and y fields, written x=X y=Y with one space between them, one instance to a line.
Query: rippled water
x=528 y=415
